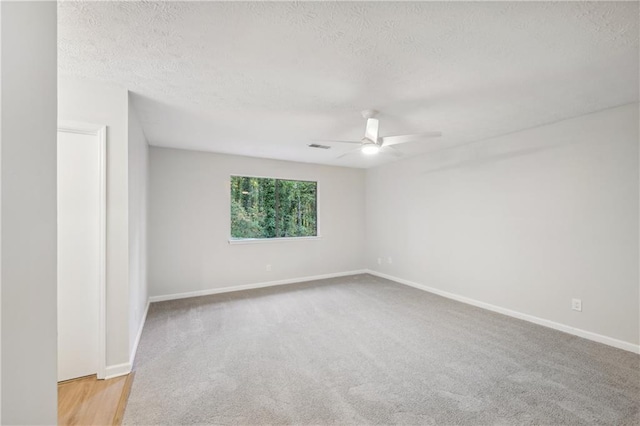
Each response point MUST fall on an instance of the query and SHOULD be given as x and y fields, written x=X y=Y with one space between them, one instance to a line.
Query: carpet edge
x=207 y=292
x=609 y=341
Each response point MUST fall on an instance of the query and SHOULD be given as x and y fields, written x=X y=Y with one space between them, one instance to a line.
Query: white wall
x=526 y=221
x=189 y=223
x=28 y=188
x=105 y=104
x=138 y=174
x=0 y=215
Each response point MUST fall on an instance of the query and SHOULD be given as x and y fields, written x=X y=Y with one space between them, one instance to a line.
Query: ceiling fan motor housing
x=369 y=146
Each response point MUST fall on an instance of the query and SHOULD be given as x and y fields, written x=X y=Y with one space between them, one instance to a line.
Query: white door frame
x=100 y=131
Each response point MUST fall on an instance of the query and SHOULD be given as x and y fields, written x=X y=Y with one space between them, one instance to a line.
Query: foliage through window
x=273 y=208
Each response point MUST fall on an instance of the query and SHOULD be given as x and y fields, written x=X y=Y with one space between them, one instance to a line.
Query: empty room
x=313 y=213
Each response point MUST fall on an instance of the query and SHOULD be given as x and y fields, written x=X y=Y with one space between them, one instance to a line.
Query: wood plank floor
x=89 y=401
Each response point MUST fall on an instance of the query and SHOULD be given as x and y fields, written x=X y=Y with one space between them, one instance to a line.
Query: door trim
x=100 y=131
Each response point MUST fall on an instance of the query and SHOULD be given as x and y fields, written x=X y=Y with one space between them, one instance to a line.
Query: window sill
x=272 y=240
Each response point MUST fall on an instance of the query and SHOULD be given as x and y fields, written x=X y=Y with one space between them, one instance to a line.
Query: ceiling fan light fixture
x=370 y=149
x=372 y=143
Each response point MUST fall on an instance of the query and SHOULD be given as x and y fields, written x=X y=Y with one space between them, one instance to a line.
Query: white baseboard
x=132 y=357
x=620 y=344
x=207 y=292
x=117 y=370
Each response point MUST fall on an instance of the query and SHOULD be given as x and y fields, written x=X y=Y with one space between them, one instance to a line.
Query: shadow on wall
x=488 y=151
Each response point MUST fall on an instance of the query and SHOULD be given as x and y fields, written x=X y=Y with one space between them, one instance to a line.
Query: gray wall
x=106 y=104
x=189 y=223
x=526 y=221
x=28 y=212
x=138 y=176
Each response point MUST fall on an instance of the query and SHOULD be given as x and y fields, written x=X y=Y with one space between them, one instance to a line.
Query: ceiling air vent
x=315 y=145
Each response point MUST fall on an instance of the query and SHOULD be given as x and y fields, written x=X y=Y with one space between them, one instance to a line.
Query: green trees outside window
x=273 y=208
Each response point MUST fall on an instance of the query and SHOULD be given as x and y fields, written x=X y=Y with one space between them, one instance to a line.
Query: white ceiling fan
x=371 y=143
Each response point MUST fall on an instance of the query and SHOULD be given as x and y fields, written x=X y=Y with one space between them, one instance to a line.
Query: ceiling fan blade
x=394 y=140
x=387 y=149
x=371 y=132
x=348 y=153
x=333 y=141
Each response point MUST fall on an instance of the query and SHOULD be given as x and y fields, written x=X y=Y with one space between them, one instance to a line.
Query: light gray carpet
x=364 y=350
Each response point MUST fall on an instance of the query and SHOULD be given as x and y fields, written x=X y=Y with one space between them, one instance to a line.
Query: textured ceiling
x=262 y=79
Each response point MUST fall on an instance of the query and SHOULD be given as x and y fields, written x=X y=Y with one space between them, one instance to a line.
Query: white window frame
x=235 y=241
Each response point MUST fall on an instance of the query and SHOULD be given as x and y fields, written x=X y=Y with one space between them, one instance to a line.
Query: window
x=273 y=208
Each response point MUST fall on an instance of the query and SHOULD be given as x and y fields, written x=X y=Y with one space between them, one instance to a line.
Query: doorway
x=81 y=250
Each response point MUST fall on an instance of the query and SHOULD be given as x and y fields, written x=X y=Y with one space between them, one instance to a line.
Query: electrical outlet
x=268 y=268
x=389 y=260
x=576 y=305
x=379 y=261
